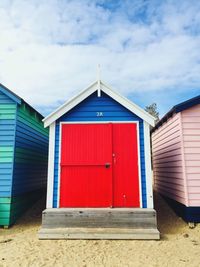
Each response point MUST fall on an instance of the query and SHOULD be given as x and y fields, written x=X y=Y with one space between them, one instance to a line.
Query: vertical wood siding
x=191 y=137
x=88 y=111
x=7 y=137
x=168 y=165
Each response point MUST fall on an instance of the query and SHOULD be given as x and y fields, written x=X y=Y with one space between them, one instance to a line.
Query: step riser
x=101 y=236
x=99 y=218
x=98 y=233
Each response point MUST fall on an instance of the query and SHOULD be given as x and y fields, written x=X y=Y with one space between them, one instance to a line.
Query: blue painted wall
x=23 y=156
x=112 y=111
x=31 y=152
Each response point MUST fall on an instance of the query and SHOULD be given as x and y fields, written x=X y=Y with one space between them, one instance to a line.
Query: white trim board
x=50 y=180
x=148 y=169
x=96 y=86
x=102 y=122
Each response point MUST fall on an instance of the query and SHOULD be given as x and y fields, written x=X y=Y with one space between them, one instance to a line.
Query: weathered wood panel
x=99 y=223
x=99 y=233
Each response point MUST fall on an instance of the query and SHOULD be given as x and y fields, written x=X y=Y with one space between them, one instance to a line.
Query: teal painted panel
x=7 y=141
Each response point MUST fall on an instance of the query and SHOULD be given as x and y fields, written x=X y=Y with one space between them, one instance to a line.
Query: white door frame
x=99 y=122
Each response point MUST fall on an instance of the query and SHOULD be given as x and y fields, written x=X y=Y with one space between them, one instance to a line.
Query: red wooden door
x=86 y=180
x=125 y=165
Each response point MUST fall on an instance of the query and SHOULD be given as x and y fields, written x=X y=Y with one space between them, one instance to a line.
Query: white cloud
x=50 y=49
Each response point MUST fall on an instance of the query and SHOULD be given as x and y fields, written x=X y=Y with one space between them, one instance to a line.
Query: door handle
x=107 y=165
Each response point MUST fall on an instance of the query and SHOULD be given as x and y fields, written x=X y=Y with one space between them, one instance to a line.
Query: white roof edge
x=130 y=105
x=56 y=113
x=88 y=91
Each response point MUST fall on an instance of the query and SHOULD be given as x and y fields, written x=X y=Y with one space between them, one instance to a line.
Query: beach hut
x=99 y=170
x=23 y=156
x=176 y=158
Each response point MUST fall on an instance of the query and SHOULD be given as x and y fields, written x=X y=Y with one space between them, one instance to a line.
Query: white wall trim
x=98 y=85
x=148 y=168
x=50 y=180
x=59 y=162
x=139 y=164
x=99 y=122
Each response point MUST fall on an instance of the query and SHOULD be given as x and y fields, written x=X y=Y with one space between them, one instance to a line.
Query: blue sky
x=148 y=50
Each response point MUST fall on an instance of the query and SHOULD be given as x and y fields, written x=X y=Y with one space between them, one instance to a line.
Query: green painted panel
x=32 y=125
x=7 y=116
x=32 y=117
x=7 y=111
x=6 y=154
x=5 y=200
x=4 y=221
x=5 y=159
x=5 y=214
x=8 y=106
x=6 y=149
x=5 y=206
x=12 y=209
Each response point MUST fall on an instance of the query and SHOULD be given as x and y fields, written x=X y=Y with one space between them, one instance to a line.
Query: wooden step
x=98 y=233
x=99 y=223
x=100 y=217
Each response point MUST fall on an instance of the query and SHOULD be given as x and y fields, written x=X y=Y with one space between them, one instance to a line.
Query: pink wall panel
x=191 y=136
x=167 y=160
x=176 y=157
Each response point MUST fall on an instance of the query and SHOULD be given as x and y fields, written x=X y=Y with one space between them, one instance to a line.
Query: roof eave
x=87 y=92
x=69 y=105
x=10 y=94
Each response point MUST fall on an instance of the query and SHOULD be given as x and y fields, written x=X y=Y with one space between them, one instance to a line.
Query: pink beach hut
x=176 y=158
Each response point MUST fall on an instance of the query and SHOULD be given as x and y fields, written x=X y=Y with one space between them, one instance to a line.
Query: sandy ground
x=179 y=245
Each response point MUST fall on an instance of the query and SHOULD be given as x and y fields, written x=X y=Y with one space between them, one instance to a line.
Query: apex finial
x=98 y=80
x=98 y=72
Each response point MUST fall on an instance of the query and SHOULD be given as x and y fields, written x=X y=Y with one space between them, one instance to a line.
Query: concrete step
x=98 y=233
x=99 y=218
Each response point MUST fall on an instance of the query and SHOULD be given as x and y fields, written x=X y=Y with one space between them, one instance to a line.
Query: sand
x=179 y=245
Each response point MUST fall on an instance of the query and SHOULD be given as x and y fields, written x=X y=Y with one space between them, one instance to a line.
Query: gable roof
x=10 y=94
x=98 y=86
x=178 y=108
x=16 y=98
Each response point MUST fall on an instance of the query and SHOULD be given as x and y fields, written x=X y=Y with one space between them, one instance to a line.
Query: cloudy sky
x=148 y=50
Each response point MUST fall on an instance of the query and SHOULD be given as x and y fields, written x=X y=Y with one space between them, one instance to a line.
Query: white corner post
x=50 y=179
x=148 y=168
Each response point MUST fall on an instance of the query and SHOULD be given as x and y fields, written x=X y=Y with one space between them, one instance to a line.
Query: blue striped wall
x=7 y=139
x=87 y=111
x=23 y=156
x=31 y=153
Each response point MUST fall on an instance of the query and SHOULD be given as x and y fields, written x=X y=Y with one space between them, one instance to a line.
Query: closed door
x=125 y=165
x=99 y=165
x=86 y=165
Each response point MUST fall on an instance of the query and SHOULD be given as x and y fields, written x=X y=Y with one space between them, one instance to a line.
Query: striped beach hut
x=176 y=158
x=99 y=172
x=23 y=156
